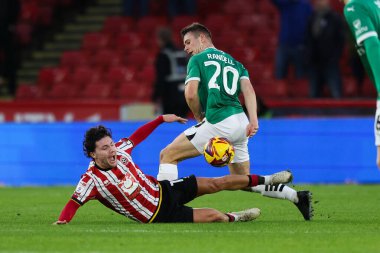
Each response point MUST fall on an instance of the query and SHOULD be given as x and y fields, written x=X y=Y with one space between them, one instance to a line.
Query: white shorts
x=377 y=124
x=233 y=128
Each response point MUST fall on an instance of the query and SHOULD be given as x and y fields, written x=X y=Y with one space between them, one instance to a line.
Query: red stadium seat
x=214 y=21
x=151 y=23
x=115 y=25
x=145 y=94
x=147 y=74
x=72 y=59
x=83 y=75
x=49 y=76
x=238 y=7
x=106 y=58
x=97 y=90
x=26 y=91
x=128 y=41
x=127 y=91
x=209 y=7
x=245 y=54
x=259 y=71
x=95 y=41
x=63 y=90
x=180 y=22
x=252 y=22
x=239 y=38
x=271 y=89
x=139 y=58
x=119 y=74
x=134 y=92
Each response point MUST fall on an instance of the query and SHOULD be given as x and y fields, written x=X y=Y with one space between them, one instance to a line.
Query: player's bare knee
x=162 y=154
x=166 y=155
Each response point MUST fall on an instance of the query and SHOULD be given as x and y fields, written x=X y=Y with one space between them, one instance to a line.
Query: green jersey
x=363 y=18
x=219 y=78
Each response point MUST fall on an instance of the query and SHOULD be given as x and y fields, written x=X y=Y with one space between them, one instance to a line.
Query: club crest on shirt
x=124 y=161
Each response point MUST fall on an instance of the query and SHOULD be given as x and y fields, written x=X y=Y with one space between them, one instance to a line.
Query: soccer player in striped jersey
x=363 y=18
x=118 y=183
x=213 y=84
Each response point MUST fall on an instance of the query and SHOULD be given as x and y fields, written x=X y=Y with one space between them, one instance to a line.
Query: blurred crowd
x=311 y=48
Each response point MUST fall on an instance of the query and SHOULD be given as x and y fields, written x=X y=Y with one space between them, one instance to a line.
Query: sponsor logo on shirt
x=129 y=186
x=351 y=8
x=80 y=188
x=359 y=29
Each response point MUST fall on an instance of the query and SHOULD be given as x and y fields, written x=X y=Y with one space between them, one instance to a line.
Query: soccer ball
x=218 y=151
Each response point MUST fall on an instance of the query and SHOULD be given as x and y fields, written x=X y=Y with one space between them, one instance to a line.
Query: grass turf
x=347 y=219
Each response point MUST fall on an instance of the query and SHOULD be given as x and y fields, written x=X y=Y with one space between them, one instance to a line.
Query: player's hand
x=173 y=118
x=252 y=129
x=60 y=222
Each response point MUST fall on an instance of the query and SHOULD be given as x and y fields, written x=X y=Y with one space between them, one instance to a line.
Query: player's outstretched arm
x=144 y=131
x=169 y=118
x=67 y=213
x=251 y=105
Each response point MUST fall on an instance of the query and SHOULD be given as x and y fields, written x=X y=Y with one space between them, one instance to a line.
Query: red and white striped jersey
x=124 y=189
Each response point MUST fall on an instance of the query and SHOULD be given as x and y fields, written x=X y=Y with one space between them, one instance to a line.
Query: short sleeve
x=193 y=70
x=244 y=72
x=125 y=144
x=85 y=190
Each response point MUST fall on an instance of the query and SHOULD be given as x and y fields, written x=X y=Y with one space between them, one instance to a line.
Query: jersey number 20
x=218 y=69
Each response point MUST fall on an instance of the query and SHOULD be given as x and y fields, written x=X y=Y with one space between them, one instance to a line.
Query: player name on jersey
x=220 y=57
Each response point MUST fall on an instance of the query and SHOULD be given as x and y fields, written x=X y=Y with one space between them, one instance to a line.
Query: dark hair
x=196 y=28
x=93 y=135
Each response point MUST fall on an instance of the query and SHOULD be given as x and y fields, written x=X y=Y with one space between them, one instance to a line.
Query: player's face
x=105 y=153
x=193 y=44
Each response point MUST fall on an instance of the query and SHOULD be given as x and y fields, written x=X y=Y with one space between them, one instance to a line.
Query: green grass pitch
x=347 y=219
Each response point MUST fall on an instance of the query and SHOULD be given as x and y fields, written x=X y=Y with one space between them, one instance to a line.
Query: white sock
x=280 y=191
x=232 y=217
x=267 y=179
x=167 y=171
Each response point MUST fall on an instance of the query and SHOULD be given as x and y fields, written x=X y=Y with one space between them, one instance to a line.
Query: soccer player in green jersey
x=213 y=84
x=363 y=18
